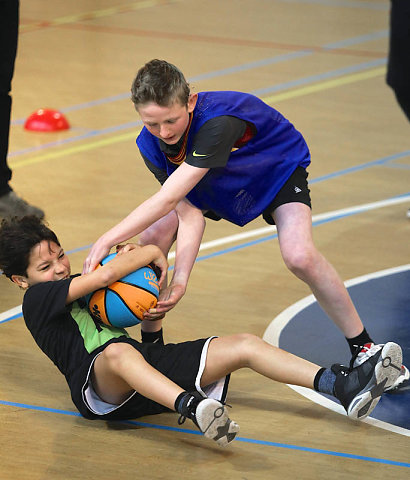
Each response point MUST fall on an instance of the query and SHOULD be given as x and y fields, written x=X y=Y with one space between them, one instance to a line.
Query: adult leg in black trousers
x=398 y=68
x=10 y=203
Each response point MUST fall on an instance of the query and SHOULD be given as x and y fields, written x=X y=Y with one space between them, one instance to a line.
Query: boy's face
x=167 y=123
x=47 y=263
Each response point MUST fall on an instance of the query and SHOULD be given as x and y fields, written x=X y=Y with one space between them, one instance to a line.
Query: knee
x=115 y=353
x=150 y=236
x=245 y=347
x=301 y=261
x=162 y=232
x=245 y=343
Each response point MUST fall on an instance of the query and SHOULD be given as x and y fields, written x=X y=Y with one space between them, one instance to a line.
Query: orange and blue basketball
x=123 y=303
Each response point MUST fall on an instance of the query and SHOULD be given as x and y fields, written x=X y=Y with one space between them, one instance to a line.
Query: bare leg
x=120 y=369
x=227 y=354
x=294 y=223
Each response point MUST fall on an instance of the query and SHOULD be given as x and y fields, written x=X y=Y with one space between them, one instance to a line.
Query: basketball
x=123 y=303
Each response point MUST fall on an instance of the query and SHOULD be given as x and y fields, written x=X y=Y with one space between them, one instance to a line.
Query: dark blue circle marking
x=384 y=305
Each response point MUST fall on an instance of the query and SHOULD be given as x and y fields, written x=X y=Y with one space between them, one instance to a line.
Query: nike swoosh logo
x=198 y=154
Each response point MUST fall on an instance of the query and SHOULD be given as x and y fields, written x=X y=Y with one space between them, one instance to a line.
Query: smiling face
x=167 y=123
x=47 y=263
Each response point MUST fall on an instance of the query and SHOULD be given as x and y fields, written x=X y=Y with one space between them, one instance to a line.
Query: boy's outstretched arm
x=177 y=186
x=121 y=265
x=191 y=225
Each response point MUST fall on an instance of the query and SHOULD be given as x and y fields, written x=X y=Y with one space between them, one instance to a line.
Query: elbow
x=167 y=200
x=170 y=204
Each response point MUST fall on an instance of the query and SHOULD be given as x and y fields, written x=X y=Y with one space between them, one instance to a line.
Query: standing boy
x=225 y=155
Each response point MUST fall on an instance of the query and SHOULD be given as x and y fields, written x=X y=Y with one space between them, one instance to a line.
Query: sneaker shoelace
x=363 y=353
x=182 y=418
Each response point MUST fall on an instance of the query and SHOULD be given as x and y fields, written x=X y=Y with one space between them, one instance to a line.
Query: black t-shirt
x=67 y=334
x=214 y=140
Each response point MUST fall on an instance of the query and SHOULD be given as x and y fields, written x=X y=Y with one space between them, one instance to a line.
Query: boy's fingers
x=86 y=266
x=166 y=305
x=162 y=308
x=153 y=316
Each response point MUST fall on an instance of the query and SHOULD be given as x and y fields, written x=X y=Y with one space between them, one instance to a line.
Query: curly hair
x=18 y=236
x=160 y=82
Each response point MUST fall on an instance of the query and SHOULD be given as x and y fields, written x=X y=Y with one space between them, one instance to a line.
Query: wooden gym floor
x=322 y=64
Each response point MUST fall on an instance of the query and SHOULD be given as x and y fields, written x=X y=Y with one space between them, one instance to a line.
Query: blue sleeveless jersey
x=255 y=172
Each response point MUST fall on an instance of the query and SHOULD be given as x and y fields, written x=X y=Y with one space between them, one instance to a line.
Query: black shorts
x=183 y=363
x=295 y=190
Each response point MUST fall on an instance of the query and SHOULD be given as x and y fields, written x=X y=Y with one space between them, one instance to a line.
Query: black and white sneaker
x=211 y=417
x=370 y=349
x=359 y=388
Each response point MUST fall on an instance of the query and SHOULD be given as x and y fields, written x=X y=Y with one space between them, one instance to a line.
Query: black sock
x=359 y=341
x=186 y=403
x=152 y=337
x=181 y=400
x=317 y=378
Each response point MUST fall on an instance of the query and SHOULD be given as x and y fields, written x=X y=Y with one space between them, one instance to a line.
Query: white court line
x=344 y=212
x=10 y=313
x=272 y=335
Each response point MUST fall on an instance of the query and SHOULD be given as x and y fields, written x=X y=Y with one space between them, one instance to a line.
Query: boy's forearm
x=156 y=207
x=130 y=261
x=189 y=236
x=138 y=220
x=118 y=267
x=161 y=203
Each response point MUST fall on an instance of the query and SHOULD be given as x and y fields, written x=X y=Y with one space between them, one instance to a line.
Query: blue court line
x=241 y=439
x=368 y=37
x=321 y=76
x=380 y=161
x=88 y=134
x=273 y=236
x=84 y=136
x=238 y=439
x=270 y=89
x=240 y=246
x=13 y=317
x=290 y=56
x=363 y=166
x=217 y=73
x=239 y=68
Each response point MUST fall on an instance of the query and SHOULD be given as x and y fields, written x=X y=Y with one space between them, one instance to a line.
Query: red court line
x=198 y=38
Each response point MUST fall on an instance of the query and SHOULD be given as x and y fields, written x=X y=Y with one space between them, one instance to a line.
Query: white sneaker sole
x=215 y=423
x=386 y=372
x=403 y=377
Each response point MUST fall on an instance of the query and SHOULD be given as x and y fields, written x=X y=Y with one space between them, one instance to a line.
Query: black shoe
x=359 y=388
x=211 y=417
